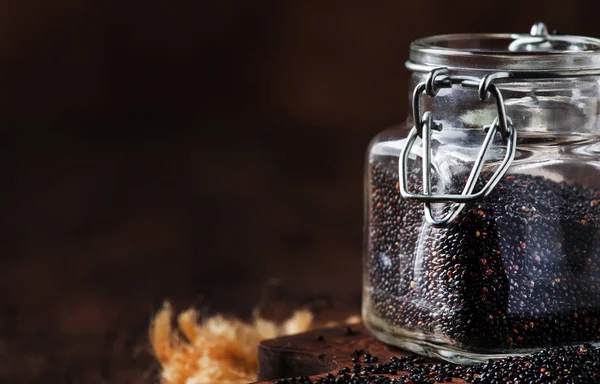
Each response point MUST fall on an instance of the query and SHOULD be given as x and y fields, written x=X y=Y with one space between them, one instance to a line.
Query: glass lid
x=538 y=52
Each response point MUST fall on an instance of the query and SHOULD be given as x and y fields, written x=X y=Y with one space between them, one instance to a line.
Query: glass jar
x=483 y=210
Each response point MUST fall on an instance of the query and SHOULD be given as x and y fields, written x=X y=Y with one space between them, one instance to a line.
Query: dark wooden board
x=318 y=352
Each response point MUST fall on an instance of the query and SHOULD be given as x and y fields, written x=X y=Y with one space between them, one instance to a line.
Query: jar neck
x=556 y=106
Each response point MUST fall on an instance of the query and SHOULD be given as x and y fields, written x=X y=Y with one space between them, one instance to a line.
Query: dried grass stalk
x=217 y=350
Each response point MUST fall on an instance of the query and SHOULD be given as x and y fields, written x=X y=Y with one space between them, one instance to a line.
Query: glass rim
x=548 y=55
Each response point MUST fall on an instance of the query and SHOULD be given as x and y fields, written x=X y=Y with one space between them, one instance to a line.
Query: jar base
x=432 y=346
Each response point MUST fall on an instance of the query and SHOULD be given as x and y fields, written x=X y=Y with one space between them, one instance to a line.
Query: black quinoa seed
x=517 y=270
x=567 y=365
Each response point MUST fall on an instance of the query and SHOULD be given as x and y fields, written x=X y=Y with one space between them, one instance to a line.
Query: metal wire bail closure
x=424 y=124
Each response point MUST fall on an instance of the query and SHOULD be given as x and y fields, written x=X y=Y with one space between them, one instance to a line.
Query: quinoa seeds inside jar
x=482 y=212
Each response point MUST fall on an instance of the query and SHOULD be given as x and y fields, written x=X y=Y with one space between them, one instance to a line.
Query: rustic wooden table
x=319 y=352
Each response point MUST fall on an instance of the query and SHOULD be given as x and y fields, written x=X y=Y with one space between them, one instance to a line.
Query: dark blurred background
x=195 y=151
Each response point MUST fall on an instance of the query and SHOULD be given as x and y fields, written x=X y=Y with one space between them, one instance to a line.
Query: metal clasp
x=424 y=124
x=539 y=39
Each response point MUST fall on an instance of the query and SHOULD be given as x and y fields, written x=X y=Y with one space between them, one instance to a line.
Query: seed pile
x=569 y=365
x=518 y=270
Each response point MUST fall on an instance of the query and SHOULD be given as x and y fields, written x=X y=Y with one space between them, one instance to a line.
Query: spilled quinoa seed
x=568 y=365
